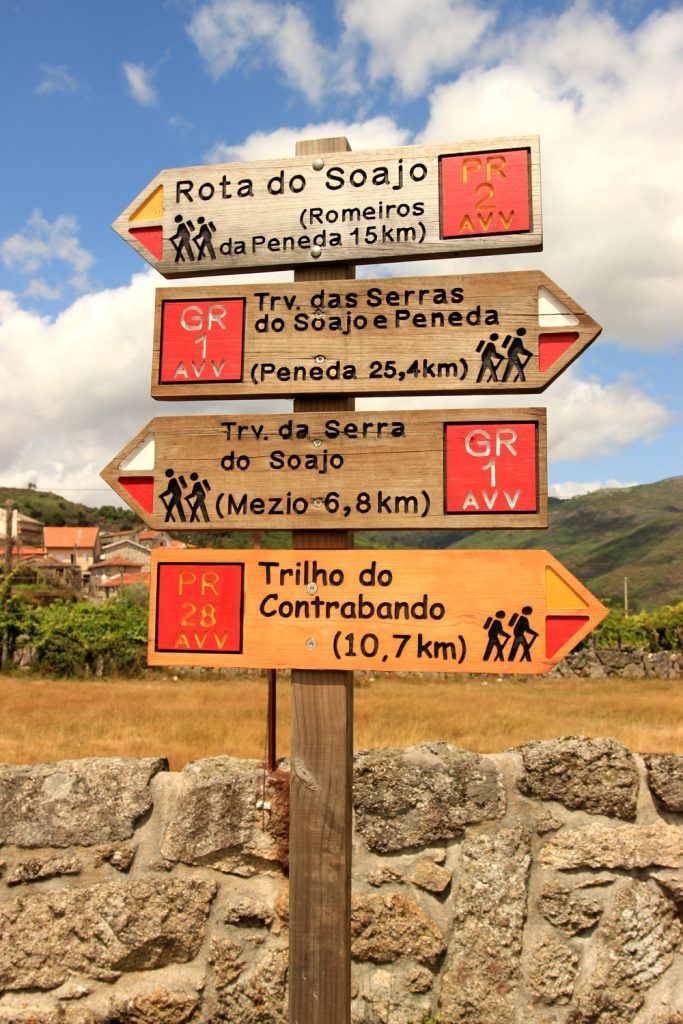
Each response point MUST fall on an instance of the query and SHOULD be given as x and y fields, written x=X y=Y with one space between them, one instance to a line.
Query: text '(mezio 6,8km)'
x=474 y=468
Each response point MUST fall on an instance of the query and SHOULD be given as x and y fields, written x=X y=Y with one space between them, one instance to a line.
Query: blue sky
x=99 y=98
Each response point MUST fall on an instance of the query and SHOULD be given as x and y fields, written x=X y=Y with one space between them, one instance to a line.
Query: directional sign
x=477 y=333
x=443 y=611
x=417 y=470
x=367 y=207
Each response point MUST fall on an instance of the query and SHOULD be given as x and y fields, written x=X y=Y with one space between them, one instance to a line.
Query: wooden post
x=321 y=778
x=6 y=584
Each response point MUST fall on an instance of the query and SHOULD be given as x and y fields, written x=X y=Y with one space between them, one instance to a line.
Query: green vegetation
x=53 y=510
x=658 y=630
x=75 y=638
x=84 y=639
x=603 y=538
x=632 y=532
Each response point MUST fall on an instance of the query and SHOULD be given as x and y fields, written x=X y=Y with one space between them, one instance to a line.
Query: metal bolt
x=317 y=442
x=312 y=588
x=311 y=644
x=318 y=502
x=316 y=252
x=318 y=164
x=319 y=359
x=317 y=315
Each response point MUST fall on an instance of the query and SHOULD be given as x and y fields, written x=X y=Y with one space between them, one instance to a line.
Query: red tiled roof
x=24 y=551
x=110 y=563
x=71 y=536
x=42 y=561
x=124 y=580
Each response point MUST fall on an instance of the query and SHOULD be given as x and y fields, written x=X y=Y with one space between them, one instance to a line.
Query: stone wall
x=543 y=885
x=626 y=663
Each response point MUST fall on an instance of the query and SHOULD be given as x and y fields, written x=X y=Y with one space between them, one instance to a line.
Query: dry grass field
x=44 y=720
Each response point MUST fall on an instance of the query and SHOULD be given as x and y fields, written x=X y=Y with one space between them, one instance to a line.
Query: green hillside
x=54 y=510
x=601 y=537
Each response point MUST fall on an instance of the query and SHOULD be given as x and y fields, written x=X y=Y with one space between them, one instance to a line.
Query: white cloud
x=139 y=79
x=608 y=105
x=229 y=31
x=586 y=418
x=80 y=391
x=180 y=123
x=56 y=78
x=572 y=489
x=80 y=386
x=44 y=242
x=408 y=43
x=411 y=42
x=42 y=290
x=377 y=132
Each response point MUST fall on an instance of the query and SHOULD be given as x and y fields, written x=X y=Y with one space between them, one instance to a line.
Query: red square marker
x=485 y=193
x=202 y=340
x=200 y=607
x=490 y=467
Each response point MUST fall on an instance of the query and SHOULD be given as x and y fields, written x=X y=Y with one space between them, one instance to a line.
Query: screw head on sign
x=312 y=588
x=316 y=252
x=319 y=359
x=318 y=502
x=318 y=164
x=311 y=644
x=316 y=442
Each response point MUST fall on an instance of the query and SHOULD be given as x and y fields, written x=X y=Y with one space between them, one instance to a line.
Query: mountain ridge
x=603 y=537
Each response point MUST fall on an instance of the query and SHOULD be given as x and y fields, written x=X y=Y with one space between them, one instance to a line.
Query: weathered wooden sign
x=454 y=611
x=437 y=200
x=428 y=469
x=466 y=334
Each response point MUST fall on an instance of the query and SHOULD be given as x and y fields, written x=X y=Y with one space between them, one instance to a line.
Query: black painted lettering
x=335 y=178
x=184 y=189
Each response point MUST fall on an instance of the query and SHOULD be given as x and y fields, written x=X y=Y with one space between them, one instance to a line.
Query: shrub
x=658 y=630
x=84 y=639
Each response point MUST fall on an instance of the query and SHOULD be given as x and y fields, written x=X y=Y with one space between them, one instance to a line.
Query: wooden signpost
x=322 y=609
x=442 y=611
x=426 y=469
x=449 y=199
x=468 y=334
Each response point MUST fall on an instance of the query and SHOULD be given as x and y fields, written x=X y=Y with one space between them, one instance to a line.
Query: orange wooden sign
x=373 y=206
x=439 y=611
x=449 y=469
x=458 y=334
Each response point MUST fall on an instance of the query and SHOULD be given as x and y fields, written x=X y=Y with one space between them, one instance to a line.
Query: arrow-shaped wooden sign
x=468 y=334
x=444 y=611
x=449 y=469
x=367 y=207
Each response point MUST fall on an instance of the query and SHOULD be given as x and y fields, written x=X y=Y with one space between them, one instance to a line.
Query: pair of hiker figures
x=173 y=497
x=182 y=240
x=522 y=634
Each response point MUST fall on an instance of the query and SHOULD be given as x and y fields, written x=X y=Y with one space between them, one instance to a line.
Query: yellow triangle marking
x=559 y=594
x=153 y=206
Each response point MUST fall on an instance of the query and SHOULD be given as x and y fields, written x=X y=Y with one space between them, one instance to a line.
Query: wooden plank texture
x=389 y=610
x=425 y=469
x=453 y=198
x=459 y=334
x=321 y=788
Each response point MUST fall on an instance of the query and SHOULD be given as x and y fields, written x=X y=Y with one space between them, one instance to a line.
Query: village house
x=79 y=545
